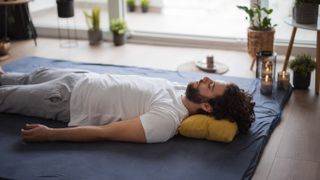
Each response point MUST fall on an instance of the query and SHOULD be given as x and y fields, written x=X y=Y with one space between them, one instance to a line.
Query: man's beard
x=194 y=95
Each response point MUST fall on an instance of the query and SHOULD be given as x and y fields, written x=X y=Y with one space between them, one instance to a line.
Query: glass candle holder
x=283 y=80
x=266 y=64
x=266 y=85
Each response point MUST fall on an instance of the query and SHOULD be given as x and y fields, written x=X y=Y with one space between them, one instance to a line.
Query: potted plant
x=306 y=11
x=118 y=28
x=131 y=5
x=260 y=32
x=145 y=5
x=302 y=67
x=65 y=8
x=93 y=22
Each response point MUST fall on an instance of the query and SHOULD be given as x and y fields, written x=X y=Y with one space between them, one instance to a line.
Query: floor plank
x=288 y=169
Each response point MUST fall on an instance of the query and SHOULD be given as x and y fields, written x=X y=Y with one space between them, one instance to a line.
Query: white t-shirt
x=99 y=99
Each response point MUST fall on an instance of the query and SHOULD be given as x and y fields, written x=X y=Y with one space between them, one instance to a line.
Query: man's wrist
x=51 y=134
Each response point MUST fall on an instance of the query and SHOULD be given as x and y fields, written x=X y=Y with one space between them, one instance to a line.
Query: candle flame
x=267 y=69
x=283 y=75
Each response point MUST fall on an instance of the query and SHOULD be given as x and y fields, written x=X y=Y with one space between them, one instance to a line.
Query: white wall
x=37 y=5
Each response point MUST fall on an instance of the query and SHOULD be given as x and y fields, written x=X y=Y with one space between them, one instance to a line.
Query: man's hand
x=35 y=133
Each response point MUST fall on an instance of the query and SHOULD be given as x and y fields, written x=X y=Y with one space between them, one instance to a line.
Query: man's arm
x=127 y=130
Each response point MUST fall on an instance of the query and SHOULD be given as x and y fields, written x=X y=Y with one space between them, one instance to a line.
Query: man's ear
x=206 y=107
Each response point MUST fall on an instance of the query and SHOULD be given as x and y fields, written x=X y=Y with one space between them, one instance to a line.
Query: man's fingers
x=34 y=132
x=27 y=135
x=26 y=131
x=30 y=126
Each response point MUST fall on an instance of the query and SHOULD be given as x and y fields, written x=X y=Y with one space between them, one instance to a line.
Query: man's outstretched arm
x=127 y=130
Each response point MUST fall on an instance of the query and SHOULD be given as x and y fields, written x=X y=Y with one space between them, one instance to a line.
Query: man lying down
x=129 y=108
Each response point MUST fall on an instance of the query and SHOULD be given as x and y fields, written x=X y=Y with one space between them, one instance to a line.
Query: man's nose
x=205 y=79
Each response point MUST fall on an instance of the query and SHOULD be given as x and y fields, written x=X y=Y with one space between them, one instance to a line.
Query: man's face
x=204 y=89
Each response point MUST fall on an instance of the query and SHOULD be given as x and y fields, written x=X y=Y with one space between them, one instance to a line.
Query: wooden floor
x=293 y=151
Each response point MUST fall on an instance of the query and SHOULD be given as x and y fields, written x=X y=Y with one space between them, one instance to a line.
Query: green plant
x=118 y=26
x=93 y=20
x=257 y=20
x=131 y=2
x=297 y=2
x=145 y=3
x=303 y=64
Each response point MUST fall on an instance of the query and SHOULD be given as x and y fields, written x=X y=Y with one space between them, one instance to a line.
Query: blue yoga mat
x=179 y=158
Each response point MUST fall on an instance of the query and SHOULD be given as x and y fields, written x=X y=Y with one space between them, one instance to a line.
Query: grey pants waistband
x=43 y=93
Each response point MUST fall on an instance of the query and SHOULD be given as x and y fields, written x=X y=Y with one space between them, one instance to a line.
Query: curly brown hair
x=236 y=105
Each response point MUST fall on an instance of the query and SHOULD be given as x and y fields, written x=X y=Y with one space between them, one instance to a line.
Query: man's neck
x=191 y=107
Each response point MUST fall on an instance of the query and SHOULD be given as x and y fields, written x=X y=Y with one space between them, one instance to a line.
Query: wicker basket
x=259 y=41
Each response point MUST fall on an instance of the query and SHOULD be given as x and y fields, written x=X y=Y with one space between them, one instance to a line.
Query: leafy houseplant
x=93 y=22
x=145 y=5
x=131 y=5
x=118 y=28
x=261 y=30
x=306 y=11
x=302 y=67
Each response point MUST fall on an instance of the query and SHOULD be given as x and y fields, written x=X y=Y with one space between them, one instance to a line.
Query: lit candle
x=266 y=85
x=267 y=69
x=210 y=61
x=283 y=80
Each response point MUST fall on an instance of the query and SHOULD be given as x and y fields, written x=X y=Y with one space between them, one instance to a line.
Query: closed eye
x=212 y=85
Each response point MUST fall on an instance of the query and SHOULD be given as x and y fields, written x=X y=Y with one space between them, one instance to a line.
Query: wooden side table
x=312 y=27
x=7 y=3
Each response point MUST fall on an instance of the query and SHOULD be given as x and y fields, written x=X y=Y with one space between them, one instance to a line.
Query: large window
x=214 y=18
x=198 y=18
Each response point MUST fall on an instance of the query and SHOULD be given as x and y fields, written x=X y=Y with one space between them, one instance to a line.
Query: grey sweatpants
x=43 y=93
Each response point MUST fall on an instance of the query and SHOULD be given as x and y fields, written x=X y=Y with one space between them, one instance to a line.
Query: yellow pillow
x=207 y=127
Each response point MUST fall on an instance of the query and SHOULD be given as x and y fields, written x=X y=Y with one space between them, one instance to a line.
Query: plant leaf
x=88 y=19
